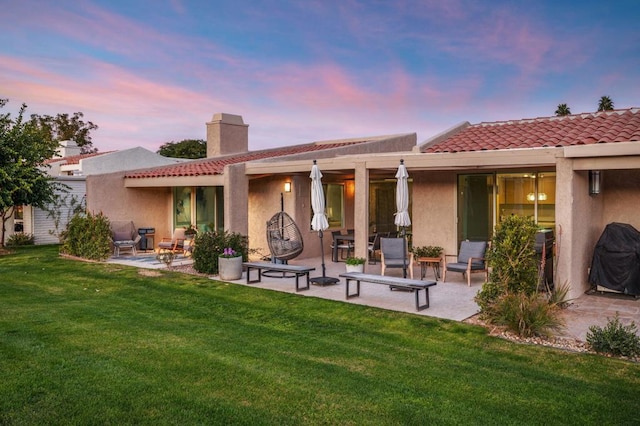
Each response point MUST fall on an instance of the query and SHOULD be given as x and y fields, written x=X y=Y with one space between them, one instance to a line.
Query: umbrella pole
x=323 y=280
x=404 y=252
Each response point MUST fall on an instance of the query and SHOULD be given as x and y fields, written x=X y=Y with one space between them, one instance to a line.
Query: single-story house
x=572 y=174
x=217 y=193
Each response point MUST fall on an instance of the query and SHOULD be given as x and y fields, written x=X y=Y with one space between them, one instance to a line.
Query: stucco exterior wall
x=146 y=207
x=433 y=212
x=621 y=195
x=578 y=227
x=264 y=202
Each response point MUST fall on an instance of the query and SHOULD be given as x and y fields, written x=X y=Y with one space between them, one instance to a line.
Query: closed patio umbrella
x=402 y=218
x=319 y=221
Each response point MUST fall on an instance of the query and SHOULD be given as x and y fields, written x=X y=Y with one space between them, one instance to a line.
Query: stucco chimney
x=227 y=134
x=67 y=149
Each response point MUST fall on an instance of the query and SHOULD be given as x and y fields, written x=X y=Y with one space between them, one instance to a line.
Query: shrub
x=614 y=338
x=208 y=245
x=512 y=258
x=354 y=261
x=512 y=255
x=527 y=314
x=88 y=237
x=559 y=295
x=20 y=239
x=487 y=297
x=511 y=297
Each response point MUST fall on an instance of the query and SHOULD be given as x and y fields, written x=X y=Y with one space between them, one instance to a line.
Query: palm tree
x=605 y=104
x=562 y=110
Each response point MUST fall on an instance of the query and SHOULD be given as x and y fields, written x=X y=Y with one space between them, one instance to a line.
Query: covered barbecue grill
x=616 y=259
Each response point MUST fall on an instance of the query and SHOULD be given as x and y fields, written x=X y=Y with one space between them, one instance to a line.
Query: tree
x=63 y=128
x=563 y=110
x=605 y=104
x=24 y=148
x=188 y=148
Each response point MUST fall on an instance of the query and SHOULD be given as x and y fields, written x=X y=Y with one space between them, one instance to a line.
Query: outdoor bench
x=392 y=282
x=295 y=269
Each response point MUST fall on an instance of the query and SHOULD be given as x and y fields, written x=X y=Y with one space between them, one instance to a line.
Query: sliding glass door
x=201 y=206
x=475 y=207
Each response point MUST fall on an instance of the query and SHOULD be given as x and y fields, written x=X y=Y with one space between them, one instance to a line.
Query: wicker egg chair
x=284 y=237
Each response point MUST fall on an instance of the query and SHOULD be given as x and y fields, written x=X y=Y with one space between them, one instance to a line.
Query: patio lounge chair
x=175 y=243
x=470 y=259
x=391 y=255
x=124 y=237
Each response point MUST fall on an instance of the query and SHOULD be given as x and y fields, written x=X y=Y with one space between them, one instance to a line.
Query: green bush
x=513 y=262
x=88 y=236
x=487 y=298
x=20 y=239
x=208 y=245
x=614 y=338
x=527 y=314
x=511 y=297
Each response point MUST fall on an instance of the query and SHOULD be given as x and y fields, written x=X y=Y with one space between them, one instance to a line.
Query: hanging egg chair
x=284 y=237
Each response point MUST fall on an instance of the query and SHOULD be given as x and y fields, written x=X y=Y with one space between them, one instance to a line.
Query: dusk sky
x=150 y=72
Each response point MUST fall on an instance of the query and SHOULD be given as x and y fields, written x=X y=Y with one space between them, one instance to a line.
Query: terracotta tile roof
x=215 y=166
x=579 y=129
x=74 y=159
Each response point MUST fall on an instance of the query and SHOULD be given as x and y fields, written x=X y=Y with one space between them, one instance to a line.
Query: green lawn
x=88 y=343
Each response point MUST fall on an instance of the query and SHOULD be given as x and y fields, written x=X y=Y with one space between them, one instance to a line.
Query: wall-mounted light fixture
x=594 y=182
x=287 y=187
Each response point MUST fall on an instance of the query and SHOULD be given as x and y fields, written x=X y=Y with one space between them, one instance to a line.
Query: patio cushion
x=472 y=249
x=122 y=236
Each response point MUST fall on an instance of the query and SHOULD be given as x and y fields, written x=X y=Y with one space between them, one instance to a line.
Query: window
x=202 y=206
x=529 y=194
x=334 y=201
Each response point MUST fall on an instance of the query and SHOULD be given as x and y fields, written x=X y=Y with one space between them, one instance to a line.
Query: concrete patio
x=448 y=300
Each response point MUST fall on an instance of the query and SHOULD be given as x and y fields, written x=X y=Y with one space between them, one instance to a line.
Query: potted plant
x=230 y=265
x=190 y=232
x=355 y=264
x=428 y=251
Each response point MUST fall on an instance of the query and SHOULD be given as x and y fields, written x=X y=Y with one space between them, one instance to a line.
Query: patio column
x=236 y=199
x=578 y=219
x=361 y=209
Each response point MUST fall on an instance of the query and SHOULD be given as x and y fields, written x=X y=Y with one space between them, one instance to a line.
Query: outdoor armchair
x=175 y=243
x=124 y=237
x=391 y=255
x=470 y=259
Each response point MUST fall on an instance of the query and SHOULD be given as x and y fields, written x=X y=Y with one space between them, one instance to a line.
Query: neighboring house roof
x=579 y=129
x=215 y=166
x=74 y=159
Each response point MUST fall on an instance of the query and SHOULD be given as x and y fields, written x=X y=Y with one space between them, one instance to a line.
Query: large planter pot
x=230 y=268
x=355 y=268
